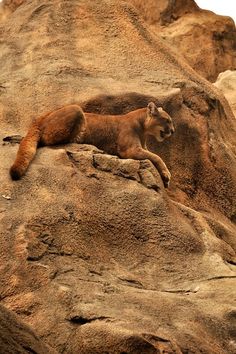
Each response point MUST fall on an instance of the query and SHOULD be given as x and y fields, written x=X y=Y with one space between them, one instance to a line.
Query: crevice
x=13 y=139
x=219 y=277
x=154 y=338
x=35 y=258
x=132 y=282
x=180 y=291
x=38 y=10
x=29 y=350
x=232 y=262
x=81 y=320
x=71 y=158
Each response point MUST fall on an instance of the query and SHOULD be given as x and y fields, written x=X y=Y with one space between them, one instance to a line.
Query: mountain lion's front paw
x=166 y=178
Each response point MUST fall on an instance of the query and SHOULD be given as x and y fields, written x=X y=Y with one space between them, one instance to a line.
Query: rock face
x=95 y=254
x=206 y=40
x=226 y=82
x=16 y=337
x=164 y=12
x=7 y=7
x=12 y=4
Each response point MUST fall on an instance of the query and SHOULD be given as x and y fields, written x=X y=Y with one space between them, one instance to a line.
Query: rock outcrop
x=226 y=82
x=7 y=7
x=206 y=40
x=164 y=12
x=96 y=255
x=16 y=337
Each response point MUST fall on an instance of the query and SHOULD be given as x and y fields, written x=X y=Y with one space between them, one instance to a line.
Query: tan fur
x=122 y=135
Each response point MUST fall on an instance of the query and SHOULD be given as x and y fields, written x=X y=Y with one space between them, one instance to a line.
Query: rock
x=96 y=255
x=110 y=339
x=12 y=5
x=226 y=82
x=17 y=337
x=171 y=101
x=7 y=7
x=184 y=26
x=165 y=11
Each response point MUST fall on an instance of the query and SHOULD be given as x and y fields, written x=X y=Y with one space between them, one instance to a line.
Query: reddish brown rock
x=206 y=40
x=7 y=7
x=226 y=82
x=96 y=255
x=16 y=337
x=12 y=4
x=164 y=12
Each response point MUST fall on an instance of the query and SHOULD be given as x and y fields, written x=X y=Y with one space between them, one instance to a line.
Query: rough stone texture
x=206 y=40
x=95 y=254
x=164 y=12
x=226 y=82
x=16 y=337
x=7 y=7
x=12 y=5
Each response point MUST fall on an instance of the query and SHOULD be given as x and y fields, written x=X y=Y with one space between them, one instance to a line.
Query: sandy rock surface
x=96 y=256
x=206 y=40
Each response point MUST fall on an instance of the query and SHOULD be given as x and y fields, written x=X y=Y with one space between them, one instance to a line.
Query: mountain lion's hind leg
x=62 y=126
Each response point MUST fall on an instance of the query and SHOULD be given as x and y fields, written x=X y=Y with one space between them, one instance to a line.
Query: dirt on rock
x=96 y=256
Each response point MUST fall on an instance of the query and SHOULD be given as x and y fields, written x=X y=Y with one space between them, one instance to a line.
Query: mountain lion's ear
x=160 y=110
x=152 y=109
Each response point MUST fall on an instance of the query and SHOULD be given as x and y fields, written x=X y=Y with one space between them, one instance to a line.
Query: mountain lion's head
x=159 y=123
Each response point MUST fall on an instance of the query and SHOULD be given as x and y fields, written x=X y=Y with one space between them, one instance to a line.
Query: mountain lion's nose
x=169 y=130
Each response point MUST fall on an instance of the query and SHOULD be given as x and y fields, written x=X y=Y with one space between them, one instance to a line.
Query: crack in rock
x=81 y=320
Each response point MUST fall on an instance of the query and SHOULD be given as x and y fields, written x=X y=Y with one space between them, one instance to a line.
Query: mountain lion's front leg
x=138 y=153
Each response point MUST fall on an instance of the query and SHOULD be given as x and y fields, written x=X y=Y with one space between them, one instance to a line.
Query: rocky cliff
x=185 y=27
x=206 y=40
x=96 y=256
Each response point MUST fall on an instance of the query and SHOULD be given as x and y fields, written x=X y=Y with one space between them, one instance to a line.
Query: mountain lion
x=121 y=135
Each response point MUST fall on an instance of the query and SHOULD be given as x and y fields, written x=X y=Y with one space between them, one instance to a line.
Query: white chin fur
x=159 y=138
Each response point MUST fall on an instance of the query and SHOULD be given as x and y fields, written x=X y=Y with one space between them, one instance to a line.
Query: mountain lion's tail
x=26 y=152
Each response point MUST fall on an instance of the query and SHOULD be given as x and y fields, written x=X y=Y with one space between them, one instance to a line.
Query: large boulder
x=206 y=40
x=16 y=337
x=226 y=82
x=96 y=255
x=164 y=12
